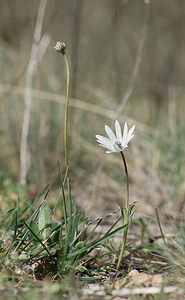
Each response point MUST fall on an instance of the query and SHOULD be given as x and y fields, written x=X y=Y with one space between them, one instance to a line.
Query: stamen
x=119 y=144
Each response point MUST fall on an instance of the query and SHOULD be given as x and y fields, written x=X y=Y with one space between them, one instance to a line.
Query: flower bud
x=60 y=47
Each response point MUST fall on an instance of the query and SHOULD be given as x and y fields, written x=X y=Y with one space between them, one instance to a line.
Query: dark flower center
x=118 y=144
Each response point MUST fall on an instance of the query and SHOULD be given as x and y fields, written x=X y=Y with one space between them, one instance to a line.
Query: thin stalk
x=159 y=224
x=126 y=207
x=61 y=47
x=66 y=112
x=127 y=181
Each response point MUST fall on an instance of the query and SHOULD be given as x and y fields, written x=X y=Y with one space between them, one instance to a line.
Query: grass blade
x=37 y=238
x=97 y=242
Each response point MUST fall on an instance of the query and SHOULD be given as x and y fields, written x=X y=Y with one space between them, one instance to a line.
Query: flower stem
x=127 y=181
x=66 y=112
x=126 y=208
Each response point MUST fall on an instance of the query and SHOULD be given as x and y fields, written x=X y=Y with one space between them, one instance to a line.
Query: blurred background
x=127 y=62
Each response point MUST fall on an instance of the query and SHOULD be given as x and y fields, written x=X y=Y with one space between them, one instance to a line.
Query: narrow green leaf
x=63 y=199
x=115 y=223
x=93 y=230
x=31 y=205
x=16 y=225
x=37 y=238
x=69 y=224
x=69 y=207
x=97 y=242
x=16 y=218
x=75 y=227
x=45 y=220
x=32 y=217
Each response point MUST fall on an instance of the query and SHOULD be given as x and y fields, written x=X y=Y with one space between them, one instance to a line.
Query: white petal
x=118 y=131
x=110 y=133
x=104 y=142
x=129 y=139
x=130 y=132
x=125 y=131
x=109 y=151
x=132 y=129
x=107 y=147
x=103 y=139
x=117 y=148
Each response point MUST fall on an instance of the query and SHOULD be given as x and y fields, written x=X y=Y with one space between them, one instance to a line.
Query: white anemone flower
x=116 y=142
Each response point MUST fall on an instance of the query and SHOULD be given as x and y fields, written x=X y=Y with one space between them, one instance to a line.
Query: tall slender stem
x=126 y=207
x=66 y=112
x=61 y=47
x=127 y=180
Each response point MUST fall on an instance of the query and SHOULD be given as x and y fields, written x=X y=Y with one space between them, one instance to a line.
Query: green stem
x=126 y=208
x=66 y=112
x=159 y=224
x=127 y=181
